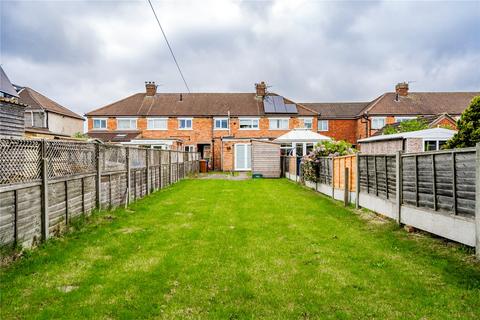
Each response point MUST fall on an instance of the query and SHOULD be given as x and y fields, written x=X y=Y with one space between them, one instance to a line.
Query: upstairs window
x=378 y=123
x=99 y=123
x=221 y=123
x=308 y=123
x=278 y=124
x=248 y=124
x=185 y=123
x=126 y=124
x=322 y=125
x=157 y=124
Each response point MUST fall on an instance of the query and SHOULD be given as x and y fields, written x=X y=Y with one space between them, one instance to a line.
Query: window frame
x=129 y=119
x=220 y=119
x=157 y=118
x=251 y=123
x=189 y=146
x=323 y=121
x=99 y=119
x=310 y=119
x=437 y=144
x=185 y=119
x=378 y=118
x=278 y=119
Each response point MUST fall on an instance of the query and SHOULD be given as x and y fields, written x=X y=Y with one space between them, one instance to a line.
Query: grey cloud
x=315 y=51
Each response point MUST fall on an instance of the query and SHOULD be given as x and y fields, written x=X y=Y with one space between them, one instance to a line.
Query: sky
x=86 y=54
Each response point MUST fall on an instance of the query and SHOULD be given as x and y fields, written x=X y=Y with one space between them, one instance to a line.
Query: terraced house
x=218 y=125
x=221 y=125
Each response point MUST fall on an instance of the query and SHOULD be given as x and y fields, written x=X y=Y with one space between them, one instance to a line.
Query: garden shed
x=266 y=158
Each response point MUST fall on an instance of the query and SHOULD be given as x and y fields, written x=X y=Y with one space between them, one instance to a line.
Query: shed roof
x=5 y=84
x=301 y=135
x=434 y=133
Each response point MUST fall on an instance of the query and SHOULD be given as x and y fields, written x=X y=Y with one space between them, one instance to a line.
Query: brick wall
x=341 y=130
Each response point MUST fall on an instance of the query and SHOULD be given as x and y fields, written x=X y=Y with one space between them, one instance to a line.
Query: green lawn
x=241 y=249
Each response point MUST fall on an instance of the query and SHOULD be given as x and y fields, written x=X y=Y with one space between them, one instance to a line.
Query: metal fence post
x=398 y=186
x=44 y=218
x=98 y=181
x=477 y=202
x=147 y=165
x=357 y=181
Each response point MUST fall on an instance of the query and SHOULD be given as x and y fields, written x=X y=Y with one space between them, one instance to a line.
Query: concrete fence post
x=44 y=214
x=129 y=173
x=477 y=202
x=398 y=186
x=357 y=180
x=98 y=180
x=147 y=166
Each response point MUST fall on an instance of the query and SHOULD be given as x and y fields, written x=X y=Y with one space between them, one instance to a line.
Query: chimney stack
x=261 y=90
x=151 y=88
x=402 y=89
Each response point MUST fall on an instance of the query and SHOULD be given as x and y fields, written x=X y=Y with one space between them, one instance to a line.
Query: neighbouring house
x=354 y=121
x=338 y=119
x=443 y=120
x=413 y=141
x=401 y=105
x=11 y=111
x=220 y=126
x=45 y=118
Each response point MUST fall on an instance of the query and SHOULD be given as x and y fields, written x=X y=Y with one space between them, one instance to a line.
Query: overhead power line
x=169 y=47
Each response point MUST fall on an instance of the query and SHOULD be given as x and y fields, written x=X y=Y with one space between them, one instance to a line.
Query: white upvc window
x=307 y=123
x=378 y=122
x=126 y=123
x=322 y=125
x=220 y=123
x=189 y=148
x=278 y=123
x=99 y=123
x=157 y=123
x=185 y=123
x=433 y=145
x=249 y=123
x=401 y=119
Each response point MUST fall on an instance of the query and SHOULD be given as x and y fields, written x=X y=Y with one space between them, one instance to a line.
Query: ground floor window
x=433 y=145
x=189 y=148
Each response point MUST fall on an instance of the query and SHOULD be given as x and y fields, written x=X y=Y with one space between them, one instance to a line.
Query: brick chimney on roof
x=261 y=90
x=402 y=89
x=150 y=88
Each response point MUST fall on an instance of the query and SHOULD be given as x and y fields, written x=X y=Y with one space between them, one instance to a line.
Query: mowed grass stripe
x=241 y=249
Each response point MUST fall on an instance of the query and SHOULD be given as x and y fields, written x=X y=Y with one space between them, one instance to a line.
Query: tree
x=468 y=134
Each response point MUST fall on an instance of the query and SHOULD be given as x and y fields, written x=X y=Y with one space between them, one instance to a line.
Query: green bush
x=329 y=148
x=407 y=126
x=468 y=134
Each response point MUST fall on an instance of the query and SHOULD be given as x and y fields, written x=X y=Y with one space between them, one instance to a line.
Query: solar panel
x=291 y=108
x=276 y=104
x=268 y=105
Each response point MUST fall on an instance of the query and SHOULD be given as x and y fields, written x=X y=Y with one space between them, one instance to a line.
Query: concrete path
x=224 y=176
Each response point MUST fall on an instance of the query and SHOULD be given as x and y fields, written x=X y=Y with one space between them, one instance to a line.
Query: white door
x=243 y=157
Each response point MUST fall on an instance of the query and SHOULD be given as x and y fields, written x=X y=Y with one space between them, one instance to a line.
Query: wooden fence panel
x=67 y=188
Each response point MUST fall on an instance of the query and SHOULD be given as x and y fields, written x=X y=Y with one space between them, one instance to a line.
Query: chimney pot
x=402 y=89
x=150 y=88
x=261 y=89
